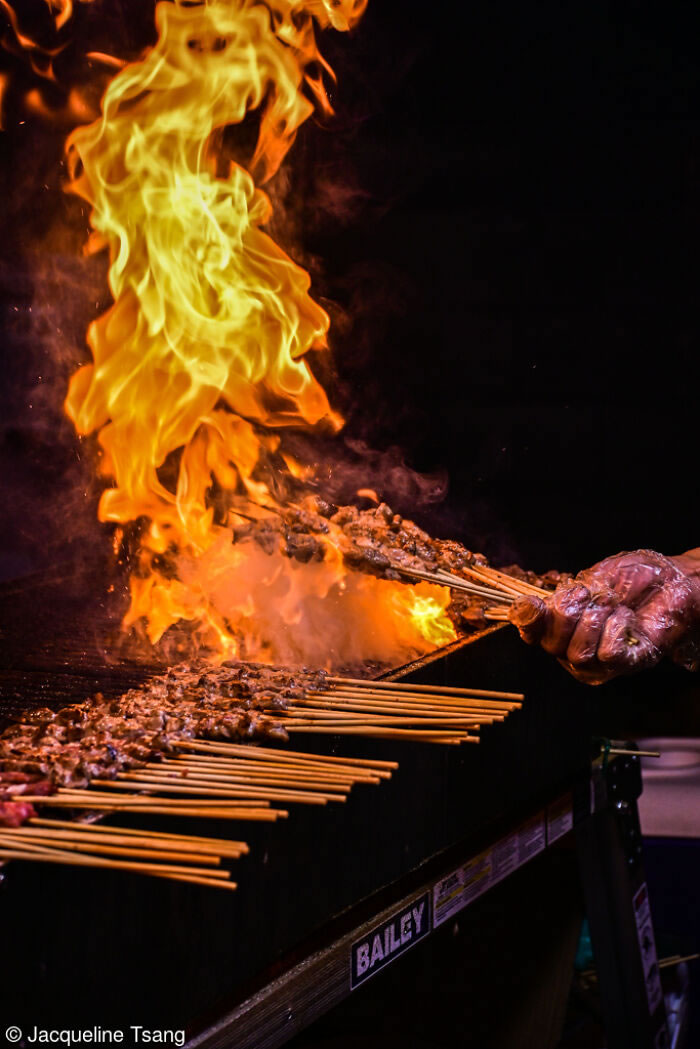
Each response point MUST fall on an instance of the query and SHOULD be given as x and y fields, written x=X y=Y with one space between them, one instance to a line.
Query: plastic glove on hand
x=623 y=614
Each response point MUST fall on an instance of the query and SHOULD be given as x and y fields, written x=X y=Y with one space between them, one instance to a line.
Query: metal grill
x=60 y=642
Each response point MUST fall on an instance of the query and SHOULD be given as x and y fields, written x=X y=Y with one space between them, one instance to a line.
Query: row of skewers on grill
x=221 y=780
x=196 y=859
x=382 y=543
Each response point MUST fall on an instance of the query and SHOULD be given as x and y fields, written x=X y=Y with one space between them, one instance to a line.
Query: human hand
x=623 y=614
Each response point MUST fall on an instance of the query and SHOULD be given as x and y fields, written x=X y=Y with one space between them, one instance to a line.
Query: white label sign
x=647 y=947
x=467 y=883
x=448 y=897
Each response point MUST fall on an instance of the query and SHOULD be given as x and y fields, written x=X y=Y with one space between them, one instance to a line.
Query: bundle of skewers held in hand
x=182 y=745
x=384 y=544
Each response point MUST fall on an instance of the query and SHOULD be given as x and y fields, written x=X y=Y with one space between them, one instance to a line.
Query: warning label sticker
x=647 y=947
x=452 y=893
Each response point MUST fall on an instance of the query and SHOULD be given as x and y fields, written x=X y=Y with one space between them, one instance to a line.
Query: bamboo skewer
x=229 y=794
x=420 y=698
x=341 y=718
x=192 y=786
x=483 y=581
x=6 y=842
x=171 y=844
x=184 y=774
x=107 y=849
x=380 y=714
x=391 y=728
x=70 y=860
x=489 y=584
x=159 y=807
x=481 y=578
x=194 y=880
x=293 y=773
x=385 y=691
x=441 y=690
x=141 y=801
x=27 y=851
x=409 y=706
x=342 y=774
x=223 y=777
x=456 y=583
x=497 y=587
x=105 y=829
x=388 y=733
x=344 y=709
x=491 y=591
x=474 y=705
x=522 y=586
x=222 y=763
x=264 y=754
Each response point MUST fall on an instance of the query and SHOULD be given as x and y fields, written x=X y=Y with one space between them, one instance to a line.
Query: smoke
x=347 y=465
x=50 y=478
x=49 y=292
x=289 y=613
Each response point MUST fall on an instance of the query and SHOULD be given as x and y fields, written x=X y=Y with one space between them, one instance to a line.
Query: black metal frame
x=305 y=992
x=381 y=844
x=609 y=846
x=602 y=813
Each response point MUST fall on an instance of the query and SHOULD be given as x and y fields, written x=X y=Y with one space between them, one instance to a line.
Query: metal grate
x=60 y=641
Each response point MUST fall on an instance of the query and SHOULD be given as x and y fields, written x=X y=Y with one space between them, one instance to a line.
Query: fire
x=200 y=361
x=60 y=11
x=75 y=107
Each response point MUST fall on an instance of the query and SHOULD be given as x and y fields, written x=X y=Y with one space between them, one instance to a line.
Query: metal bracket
x=609 y=847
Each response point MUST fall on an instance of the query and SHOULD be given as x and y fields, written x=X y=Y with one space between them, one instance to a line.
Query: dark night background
x=505 y=215
x=544 y=161
x=503 y=219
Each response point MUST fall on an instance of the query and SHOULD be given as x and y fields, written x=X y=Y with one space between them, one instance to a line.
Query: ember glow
x=199 y=364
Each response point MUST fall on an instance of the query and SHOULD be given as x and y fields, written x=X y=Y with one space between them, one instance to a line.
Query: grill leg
x=609 y=845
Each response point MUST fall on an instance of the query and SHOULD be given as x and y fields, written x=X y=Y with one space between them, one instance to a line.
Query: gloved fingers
x=582 y=652
x=623 y=645
x=665 y=616
x=565 y=609
x=529 y=614
x=635 y=579
x=631 y=576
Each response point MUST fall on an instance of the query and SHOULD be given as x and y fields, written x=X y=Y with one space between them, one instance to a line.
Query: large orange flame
x=201 y=356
